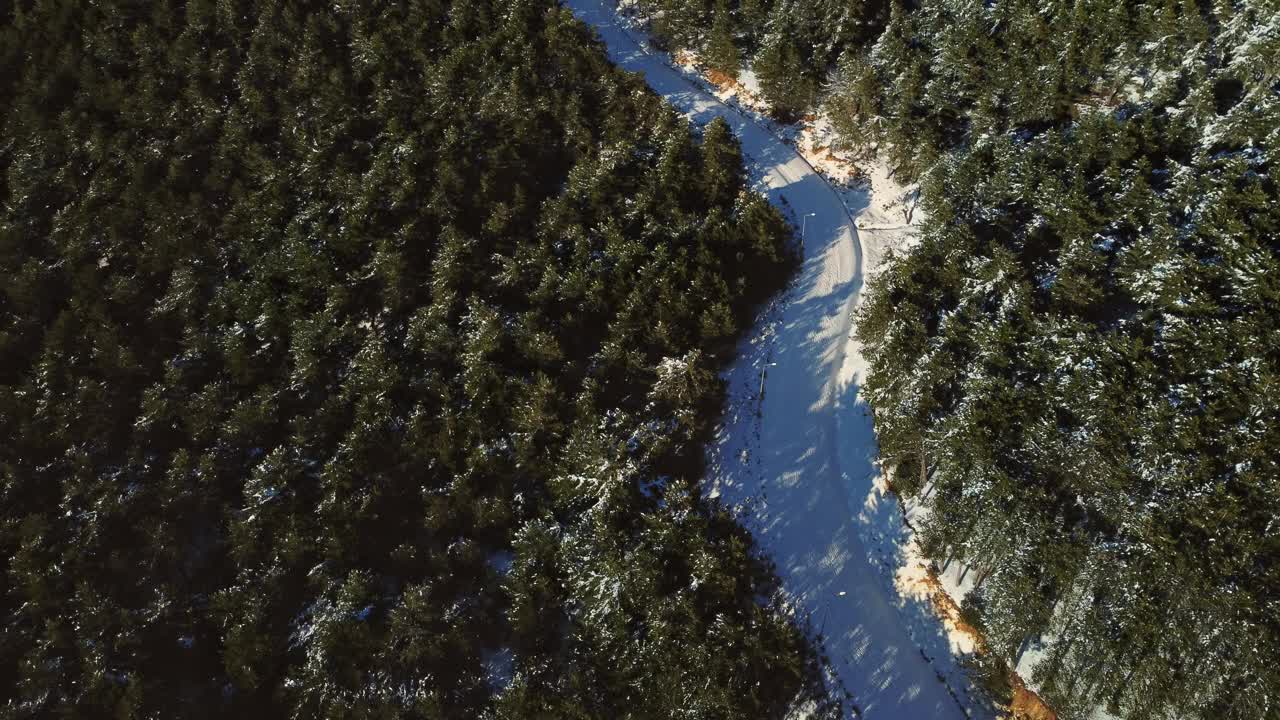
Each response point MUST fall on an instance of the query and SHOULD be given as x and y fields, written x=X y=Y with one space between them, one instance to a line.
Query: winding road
x=796 y=451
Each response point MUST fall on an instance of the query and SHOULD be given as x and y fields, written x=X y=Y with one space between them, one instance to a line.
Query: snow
x=796 y=456
x=747 y=78
x=500 y=561
x=499 y=668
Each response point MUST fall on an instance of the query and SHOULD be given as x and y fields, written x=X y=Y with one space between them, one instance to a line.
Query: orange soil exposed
x=947 y=609
x=722 y=80
x=827 y=154
x=1026 y=705
x=822 y=157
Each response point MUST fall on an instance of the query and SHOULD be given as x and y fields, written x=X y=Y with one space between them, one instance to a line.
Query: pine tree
x=853 y=103
x=783 y=78
x=722 y=52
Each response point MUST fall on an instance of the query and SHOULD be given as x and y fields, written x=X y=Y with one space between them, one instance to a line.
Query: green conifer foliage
x=722 y=50
x=1079 y=357
x=782 y=74
x=356 y=360
x=1077 y=361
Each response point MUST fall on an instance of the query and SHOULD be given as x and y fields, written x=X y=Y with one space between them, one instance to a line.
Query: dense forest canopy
x=1081 y=356
x=355 y=361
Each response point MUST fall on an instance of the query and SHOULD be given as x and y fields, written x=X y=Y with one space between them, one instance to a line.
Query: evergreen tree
x=722 y=52
x=782 y=74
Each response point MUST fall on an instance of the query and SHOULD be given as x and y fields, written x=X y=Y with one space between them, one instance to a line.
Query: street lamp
x=762 y=371
x=804 y=220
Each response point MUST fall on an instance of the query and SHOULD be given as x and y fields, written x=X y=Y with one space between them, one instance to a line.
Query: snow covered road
x=799 y=461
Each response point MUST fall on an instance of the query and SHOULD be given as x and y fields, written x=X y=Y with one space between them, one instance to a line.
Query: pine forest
x=361 y=359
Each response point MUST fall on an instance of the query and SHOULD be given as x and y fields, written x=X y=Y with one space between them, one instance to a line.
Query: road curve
x=800 y=454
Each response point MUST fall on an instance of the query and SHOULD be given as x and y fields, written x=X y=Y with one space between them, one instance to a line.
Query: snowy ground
x=796 y=454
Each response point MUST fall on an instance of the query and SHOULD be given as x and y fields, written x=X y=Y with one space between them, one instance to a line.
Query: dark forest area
x=356 y=361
